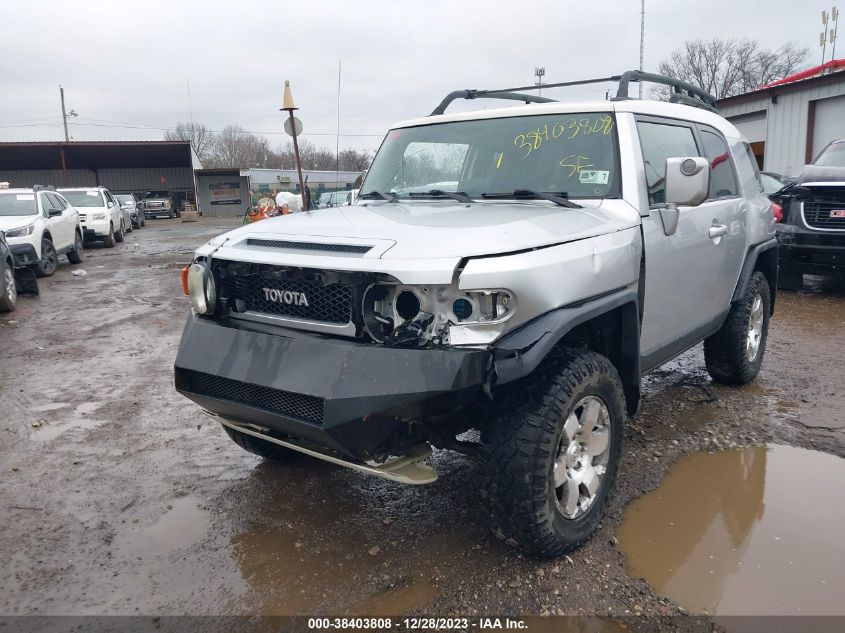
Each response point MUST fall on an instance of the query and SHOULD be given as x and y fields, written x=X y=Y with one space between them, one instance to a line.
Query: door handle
x=717 y=230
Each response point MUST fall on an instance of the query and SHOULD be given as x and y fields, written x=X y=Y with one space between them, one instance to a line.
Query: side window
x=108 y=197
x=722 y=178
x=752 y=160
x=46 y=205
x=660 y=141
x=57 y=201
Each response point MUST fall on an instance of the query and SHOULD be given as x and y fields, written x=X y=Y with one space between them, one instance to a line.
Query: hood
x=802 y=174
x=421 y=230
x=9 y=222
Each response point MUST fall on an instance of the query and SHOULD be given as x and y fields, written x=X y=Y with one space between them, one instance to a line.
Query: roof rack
x=43 y=188
x=683 y=92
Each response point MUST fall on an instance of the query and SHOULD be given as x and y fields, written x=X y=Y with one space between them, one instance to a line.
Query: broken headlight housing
x=402 y=315
x=201 y=289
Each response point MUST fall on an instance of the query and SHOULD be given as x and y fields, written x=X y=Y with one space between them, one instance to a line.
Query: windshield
x=574 y=154
x=84 y=198
x=17 y=204
x=770 y=184
x=156 y=194
x=832 y=156
x=125 y=200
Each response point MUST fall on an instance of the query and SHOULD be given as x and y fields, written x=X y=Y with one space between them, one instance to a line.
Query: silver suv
x=514 y=271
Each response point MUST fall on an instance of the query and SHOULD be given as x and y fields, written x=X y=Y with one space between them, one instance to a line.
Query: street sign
x=288 y=129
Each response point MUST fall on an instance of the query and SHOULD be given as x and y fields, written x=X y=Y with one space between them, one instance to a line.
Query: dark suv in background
x=812 y=232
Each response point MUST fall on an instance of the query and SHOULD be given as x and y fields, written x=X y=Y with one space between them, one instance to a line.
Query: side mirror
x=111 y=204
x=687 y=184
x=54 y=212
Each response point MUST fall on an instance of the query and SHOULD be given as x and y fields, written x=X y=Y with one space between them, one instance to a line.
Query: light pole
x=539 y=73
x=642 y=40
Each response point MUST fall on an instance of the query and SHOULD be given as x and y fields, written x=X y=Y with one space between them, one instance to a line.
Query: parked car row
x=42 y=223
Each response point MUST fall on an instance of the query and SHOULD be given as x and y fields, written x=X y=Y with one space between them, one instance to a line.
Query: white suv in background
x=40 y=225
x=99 y=214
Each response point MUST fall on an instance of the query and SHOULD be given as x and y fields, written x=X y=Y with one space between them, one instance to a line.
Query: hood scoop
x=350 y=249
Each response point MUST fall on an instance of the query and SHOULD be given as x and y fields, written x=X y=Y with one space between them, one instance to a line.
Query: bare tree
x=235 y=147
x=314 y=157
x=200 y=137
x=354 y=160
x=729 y=67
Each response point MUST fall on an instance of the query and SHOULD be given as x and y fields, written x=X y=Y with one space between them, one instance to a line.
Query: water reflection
x=751 y=531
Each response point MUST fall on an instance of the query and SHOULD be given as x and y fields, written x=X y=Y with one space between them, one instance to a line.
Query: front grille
x=826 y=259
x=310 y=246
x=330 y=303
x=818 y=215
x=294 y=405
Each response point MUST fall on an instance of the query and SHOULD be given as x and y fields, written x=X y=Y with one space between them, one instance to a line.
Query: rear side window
x=722 y=178
x=58 y=202
x=660 y=141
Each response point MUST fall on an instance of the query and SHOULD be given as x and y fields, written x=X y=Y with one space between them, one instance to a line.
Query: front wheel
x=8 y=290
x=262 y=448
x=108 y=240
x=118 y=236
x=75 y=256
x=552 y=458
x=733 y=355
x=49 y=261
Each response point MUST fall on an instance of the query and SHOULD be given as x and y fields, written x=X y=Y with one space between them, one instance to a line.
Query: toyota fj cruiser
x=514 y=271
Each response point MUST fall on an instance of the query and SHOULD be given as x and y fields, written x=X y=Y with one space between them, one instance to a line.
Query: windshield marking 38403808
x=575 y=153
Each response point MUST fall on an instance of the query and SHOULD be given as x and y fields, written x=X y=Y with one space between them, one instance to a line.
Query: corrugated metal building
x=120 y=166
x=790 y=121
x=287 y=179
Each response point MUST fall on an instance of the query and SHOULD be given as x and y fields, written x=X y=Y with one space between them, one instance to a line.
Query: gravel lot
x=118 y=496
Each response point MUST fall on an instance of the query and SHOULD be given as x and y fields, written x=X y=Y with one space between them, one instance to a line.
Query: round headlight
x=201 y=289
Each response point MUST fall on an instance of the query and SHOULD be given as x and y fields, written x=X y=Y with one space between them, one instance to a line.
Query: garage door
x=751 y=126
x=829 y=123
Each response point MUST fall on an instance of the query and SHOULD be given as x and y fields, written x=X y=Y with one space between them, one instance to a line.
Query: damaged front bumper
x=354 y=399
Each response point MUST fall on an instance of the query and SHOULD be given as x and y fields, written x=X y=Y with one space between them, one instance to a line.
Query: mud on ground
x=118 y=496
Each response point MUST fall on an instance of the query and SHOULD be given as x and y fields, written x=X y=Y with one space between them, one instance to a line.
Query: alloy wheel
x=9 y=281
x=755 y=329
x=582 y=457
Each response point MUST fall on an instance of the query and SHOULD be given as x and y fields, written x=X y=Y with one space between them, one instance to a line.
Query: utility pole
x=539 y=73
x=337 y=134
x=64 y=113
x=642 y=40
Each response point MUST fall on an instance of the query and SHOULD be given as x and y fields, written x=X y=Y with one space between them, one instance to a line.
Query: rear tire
x=75 y=256
x=108 y=240
x=260 y=447
x=733 y=355
x=8 y=290
x=552 y=457
x=118 y=237
x=49 y=261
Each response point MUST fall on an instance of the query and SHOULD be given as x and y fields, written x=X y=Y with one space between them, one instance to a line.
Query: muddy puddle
x=747 y=531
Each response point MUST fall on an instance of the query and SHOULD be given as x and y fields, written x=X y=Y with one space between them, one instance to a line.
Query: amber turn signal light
x=185 y=280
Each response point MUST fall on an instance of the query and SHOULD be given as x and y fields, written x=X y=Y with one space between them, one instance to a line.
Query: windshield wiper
x=373 y=195
x=558 y=197
x=460 y=196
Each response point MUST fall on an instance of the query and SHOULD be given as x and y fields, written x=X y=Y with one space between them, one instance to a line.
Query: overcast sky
x=126 y=66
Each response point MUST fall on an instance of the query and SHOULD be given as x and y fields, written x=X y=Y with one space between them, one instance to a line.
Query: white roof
x=635 y=106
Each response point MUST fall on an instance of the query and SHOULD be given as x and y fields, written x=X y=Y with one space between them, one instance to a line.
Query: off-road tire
x=520 y=447
x=790 y=279
x=725 y=352
x=260 y=447
x=118 y=236
x=108 y=239
x=75 y=256
x=8 y=290
x=49 y=262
